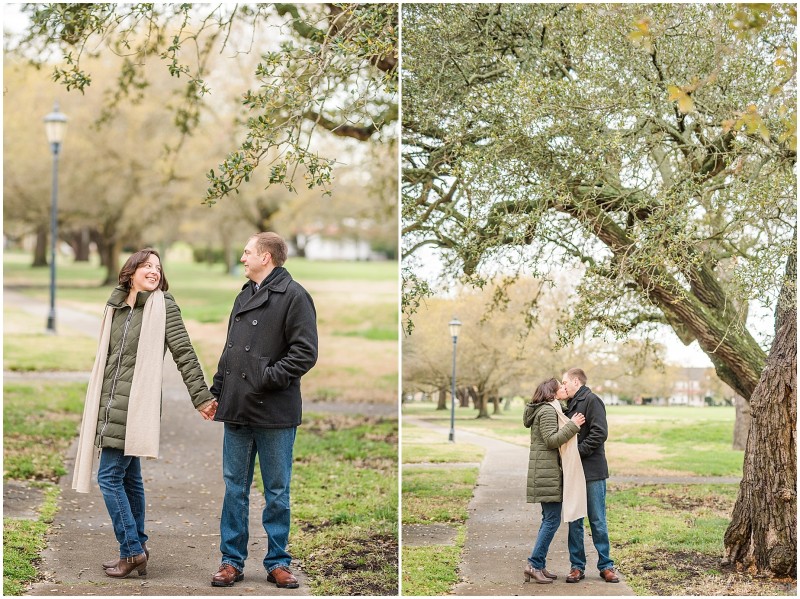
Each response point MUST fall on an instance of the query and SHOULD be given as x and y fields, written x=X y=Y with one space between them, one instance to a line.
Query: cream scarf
x=573 y=504
x=144 y=405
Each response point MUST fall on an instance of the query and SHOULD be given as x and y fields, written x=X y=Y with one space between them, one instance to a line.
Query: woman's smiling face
x=148 y=275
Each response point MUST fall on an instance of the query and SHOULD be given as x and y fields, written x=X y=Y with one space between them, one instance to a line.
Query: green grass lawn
x=432 y=570
x=668 y=540
x=642 y=440
x=39 y=422
x=435 y=495
x=345 y=524
x=421 y=445
x=22 y=542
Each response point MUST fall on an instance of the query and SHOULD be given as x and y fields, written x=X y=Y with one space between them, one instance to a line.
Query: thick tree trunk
x=762 y=535
x=496 y=401
x=481 y=402
x=100 y=241
x=300 y=247
x=108 y=248
x=110 y=259
x=442 y=404
x=40 y=251
x=229 y=251
x=79 y=240
x=463 y=396
x=742 y=425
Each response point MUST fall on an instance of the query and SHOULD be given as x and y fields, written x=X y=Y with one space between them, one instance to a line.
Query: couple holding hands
x=567 y=472
x=271 y=343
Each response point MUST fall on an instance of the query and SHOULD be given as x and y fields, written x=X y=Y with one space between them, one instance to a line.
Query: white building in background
x=321 y=248
x=605 y=391
x=694 y=387
x=690 y=389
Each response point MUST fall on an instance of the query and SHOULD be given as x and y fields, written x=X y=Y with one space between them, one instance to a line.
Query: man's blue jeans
x=120 y=480
x=551 y=519
x=596 y=504
x=274 y=447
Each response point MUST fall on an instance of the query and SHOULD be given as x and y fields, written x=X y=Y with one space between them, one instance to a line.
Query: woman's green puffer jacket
x=544 y=463
x=118 y=375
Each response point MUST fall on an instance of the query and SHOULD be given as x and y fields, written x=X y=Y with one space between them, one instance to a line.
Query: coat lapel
x=255 y=300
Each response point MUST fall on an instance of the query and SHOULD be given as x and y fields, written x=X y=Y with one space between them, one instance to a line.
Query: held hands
x=578 y=419
x=209 y=411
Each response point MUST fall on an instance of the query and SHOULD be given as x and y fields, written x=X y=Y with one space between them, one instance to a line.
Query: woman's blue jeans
x=596 y=504
x=274 y=447
x=551 y=519
x=120 y=480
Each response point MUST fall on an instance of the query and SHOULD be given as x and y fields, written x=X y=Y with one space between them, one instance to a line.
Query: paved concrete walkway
x=502 y=528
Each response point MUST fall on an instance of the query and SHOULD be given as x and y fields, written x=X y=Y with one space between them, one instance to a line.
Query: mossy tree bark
x=762 y=536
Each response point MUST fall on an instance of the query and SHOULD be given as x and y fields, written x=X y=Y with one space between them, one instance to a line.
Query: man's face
x=255 y=264
x=570 y=385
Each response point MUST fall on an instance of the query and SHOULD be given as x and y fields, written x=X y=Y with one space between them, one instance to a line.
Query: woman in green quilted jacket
x=122 y=414
x=545 y=484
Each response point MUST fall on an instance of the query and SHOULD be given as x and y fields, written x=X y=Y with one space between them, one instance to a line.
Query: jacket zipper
x=116 y=378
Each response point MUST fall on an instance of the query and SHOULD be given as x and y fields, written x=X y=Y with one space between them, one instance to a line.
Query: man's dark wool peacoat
x=272 y=342
x=593 y=434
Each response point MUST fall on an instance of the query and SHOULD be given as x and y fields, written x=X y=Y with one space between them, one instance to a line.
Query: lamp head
x=454 y=325
x=55 y=124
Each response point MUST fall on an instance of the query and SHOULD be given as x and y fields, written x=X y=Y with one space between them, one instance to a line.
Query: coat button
x=255 y=322
x=246 y=348
x=244 y=376
x=237 y=319
x=230 y=344
x=227 y=372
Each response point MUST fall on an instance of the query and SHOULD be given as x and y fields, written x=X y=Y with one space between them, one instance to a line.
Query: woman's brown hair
x=546 y=391
x=134 y=262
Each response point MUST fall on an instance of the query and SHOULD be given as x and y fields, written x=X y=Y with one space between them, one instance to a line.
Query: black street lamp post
x=454 y=325
x=55 y=124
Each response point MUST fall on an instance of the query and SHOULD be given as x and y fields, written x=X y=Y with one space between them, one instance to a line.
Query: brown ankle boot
x=127 y=565
x=113 y=562
x=537 y=575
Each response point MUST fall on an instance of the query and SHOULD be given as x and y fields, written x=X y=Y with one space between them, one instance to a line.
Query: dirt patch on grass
x=365 y=567
x=677 y=499
x=690 y=573
x=633 y=453
x=640 y=459
x=362 y=292
x=336 y=422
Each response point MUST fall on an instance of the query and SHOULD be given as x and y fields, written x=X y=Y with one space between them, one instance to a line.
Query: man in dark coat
x=271 y=344
x=591 y=446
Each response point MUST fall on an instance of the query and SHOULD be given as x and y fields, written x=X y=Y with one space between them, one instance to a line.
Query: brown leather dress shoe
x=609 y=575
x=226 y=576
x=538 y=576
x=114 y=562
x=283 y=578
x=575 y=575
x=127 y=565
x=549 y=575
